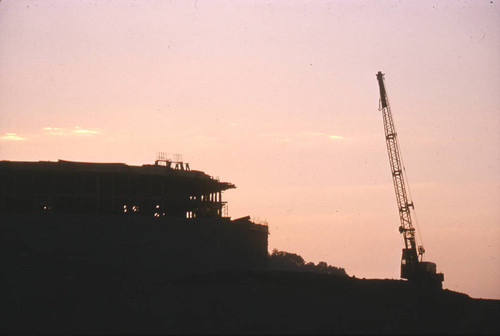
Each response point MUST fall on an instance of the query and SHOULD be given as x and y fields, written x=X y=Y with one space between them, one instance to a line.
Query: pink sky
x=280 y=98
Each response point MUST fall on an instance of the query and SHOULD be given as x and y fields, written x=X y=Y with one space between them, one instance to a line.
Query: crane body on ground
x=412 y=268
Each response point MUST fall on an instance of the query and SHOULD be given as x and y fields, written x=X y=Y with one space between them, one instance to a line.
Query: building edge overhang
x=113 y=168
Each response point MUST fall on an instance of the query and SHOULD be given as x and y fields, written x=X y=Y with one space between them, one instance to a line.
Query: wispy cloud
x=302 y=137
x=52 y=131
x=77 y=130
x=12 y=137
x=321 y=135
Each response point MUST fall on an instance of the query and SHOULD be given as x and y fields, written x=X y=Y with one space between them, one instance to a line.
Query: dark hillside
x=98 y=275
x=86 y=299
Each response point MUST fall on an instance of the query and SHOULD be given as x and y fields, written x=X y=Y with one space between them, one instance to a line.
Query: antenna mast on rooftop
x=163 y=159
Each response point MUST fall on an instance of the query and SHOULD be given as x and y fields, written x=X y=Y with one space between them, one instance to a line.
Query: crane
x=413 y=268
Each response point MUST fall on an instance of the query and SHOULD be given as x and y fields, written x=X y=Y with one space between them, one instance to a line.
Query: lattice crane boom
x=411 y=267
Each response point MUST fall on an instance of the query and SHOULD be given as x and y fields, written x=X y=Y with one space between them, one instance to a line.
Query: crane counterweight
x=412 y=268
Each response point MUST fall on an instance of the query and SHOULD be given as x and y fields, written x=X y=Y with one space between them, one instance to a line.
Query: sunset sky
x=281 y=99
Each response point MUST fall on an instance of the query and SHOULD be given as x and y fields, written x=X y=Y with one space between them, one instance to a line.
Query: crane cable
x=405 y=177
x=419 y=231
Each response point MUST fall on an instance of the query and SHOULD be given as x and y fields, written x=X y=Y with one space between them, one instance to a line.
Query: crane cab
x=428 y=271
x=420 y=272
x=427 y=267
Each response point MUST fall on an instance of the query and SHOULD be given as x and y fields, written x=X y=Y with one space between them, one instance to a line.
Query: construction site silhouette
x=91 y=248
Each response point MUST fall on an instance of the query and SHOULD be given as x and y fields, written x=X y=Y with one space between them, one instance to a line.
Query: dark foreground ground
x=87 y=299
x=90 y=275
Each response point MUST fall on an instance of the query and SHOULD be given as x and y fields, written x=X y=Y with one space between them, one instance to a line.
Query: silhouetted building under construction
x=162 y=216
